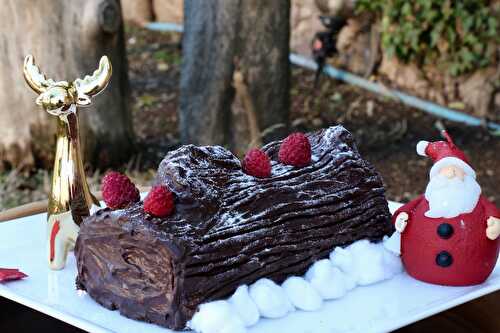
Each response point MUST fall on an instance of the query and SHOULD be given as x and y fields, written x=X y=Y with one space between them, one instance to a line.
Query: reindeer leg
x=61 y=233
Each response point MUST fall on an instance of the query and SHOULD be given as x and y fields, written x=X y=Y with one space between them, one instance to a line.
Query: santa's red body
x=448 y=251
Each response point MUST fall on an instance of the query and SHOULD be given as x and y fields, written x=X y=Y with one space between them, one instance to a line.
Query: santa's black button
x=445 y=230
x=444 y=259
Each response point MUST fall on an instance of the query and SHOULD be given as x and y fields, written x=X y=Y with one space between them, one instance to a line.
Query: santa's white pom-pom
x=244 y=305
x=302 y=294
x=217 y=317
x=421 y=147
x=271 y=299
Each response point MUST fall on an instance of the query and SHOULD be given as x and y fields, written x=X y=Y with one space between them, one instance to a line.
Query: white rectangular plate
x=381 y=307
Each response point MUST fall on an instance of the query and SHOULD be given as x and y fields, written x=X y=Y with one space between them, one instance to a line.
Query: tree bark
x=229 y=228
x=67 y=39
x=263 y=50
x=218 y=34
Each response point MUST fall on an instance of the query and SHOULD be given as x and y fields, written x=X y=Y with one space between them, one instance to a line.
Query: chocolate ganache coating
x=229 y=228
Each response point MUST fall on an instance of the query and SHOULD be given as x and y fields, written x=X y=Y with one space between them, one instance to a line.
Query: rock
x=355 y=46
x=305 y=20
x=496 y=103
x=171 y=11
x=137 y=12
x=407 y=77
x=336 y=7
x=304 y=23
x=477 y=90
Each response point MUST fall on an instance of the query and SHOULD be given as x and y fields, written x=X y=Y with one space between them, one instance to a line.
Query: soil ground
x=386 y=130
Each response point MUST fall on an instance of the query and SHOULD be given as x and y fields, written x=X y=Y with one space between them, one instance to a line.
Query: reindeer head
x=57 y=97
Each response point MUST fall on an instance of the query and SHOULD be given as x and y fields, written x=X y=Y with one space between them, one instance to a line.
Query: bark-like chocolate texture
x=229 y=228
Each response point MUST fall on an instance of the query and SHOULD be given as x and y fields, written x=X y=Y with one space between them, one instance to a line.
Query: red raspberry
x=118 y=191
x=295 y=150
x=256 y=163
x=159 y=202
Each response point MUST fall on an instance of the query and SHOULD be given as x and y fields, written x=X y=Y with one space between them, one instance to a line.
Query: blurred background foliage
x=460 y=36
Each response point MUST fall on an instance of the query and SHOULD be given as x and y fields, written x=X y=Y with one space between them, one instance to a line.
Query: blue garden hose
x=164 y=26
x=421 y=104
x=429 y=107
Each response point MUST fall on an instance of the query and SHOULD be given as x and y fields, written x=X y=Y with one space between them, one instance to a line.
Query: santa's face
x=451 y=192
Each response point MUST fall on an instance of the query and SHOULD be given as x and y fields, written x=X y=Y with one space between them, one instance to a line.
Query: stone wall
x=476 y=92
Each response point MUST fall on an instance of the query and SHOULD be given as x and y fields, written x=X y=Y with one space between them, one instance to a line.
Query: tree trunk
x=67 y=39
x=263 y=54
x=229 y=228
x=220 y=35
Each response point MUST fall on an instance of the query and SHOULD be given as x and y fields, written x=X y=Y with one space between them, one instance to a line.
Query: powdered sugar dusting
x=188 y=172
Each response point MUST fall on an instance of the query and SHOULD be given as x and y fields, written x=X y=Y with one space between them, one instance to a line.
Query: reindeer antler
x=34 y=77
x=92 y=85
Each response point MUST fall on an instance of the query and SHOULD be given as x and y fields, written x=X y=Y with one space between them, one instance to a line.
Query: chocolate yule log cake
x=229 y=228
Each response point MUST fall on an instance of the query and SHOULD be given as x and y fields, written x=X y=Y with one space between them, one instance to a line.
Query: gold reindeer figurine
x=70 y=198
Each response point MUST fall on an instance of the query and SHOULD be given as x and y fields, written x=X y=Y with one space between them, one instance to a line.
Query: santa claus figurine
x=449 y=235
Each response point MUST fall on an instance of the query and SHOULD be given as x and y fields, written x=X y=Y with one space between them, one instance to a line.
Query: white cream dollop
x=271 y=299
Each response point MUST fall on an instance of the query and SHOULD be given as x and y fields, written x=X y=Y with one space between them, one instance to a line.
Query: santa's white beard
x=451 y=197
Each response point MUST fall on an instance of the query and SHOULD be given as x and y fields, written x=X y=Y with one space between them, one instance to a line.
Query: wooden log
x=229 y=228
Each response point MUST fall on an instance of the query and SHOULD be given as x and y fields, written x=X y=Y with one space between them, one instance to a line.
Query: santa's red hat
x=444 y=153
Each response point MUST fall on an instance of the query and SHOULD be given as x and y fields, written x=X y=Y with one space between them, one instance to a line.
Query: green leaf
x=406 y=9
x=418 y=30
